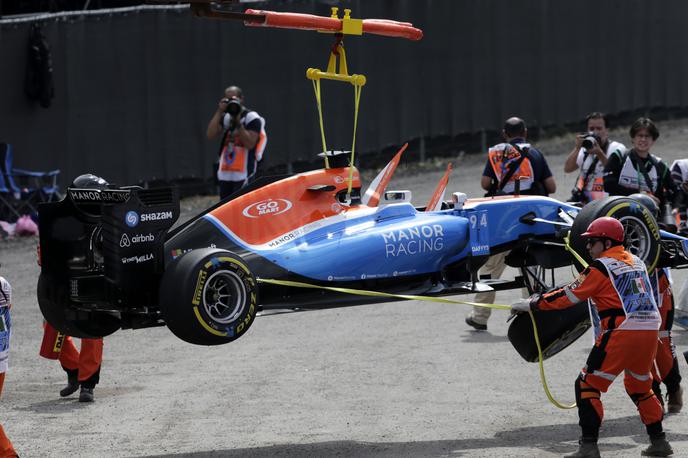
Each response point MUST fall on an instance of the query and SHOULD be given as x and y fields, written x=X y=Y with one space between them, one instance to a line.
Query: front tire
x=641 y=230
x=208 y=297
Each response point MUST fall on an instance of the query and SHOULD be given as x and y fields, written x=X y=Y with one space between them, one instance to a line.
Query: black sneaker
x=86 y=394
x=478 y=327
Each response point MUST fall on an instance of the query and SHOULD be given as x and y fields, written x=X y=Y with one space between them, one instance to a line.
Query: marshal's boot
x=72 y=384
x=587 y=448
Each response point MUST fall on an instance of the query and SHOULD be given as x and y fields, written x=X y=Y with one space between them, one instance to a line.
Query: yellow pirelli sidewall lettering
x=205 y=325
x=235 y=262
x=247 y=321
x=200 y=283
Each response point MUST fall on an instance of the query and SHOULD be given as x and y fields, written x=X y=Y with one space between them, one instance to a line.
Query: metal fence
x=135 y=88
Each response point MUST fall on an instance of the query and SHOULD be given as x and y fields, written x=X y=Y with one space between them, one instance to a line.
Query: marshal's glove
x=527 y=304
x=521 y=305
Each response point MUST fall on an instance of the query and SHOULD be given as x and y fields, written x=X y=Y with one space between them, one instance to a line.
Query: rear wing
x=115 y=235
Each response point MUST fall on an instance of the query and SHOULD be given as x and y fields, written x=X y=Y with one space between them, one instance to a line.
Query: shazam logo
x=131 y=218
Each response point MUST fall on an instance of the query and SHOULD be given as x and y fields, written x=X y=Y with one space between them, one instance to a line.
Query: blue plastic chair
x=8 y=202
x=29 y=187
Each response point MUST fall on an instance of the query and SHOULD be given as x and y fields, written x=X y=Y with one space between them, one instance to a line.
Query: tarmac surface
x=401 y=379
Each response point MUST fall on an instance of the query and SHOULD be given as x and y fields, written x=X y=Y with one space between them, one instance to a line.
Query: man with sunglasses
x=626 y=322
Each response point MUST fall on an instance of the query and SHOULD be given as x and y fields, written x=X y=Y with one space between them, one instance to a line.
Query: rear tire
x=208 y=297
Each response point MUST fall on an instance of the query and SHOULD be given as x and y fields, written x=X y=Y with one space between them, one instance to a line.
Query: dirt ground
x=404 y=379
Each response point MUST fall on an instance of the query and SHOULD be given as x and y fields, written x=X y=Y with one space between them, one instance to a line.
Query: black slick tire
x=208 y=297
x=642 y=236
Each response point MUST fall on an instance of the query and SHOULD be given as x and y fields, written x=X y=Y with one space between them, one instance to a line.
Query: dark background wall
x=134 y=91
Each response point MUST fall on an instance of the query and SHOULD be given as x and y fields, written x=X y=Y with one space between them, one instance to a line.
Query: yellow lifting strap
x=444 y=300
x=543 y=378
x=572 y=251
x=337 y=55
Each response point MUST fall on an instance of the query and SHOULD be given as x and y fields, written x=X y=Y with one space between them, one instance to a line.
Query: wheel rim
x=224 y=296
x=637 y=236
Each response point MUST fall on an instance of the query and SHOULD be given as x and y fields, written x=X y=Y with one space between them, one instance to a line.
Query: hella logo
x=267 y=207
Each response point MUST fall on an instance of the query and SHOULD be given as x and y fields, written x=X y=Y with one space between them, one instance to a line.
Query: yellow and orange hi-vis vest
x=502 y=158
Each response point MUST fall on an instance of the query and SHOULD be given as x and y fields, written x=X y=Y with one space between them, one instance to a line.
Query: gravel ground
x=404 y=379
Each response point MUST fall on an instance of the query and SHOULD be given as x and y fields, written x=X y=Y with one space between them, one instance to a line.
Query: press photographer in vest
x=243 y=141
x=516 y=165
x=590 y=155
x=637 y=170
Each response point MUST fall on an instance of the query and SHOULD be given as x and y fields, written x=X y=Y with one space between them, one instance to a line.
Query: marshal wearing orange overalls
x=666 y=369
x=82 y=367
x=626 y=321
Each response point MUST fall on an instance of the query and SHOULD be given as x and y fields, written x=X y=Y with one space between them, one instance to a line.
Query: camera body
x=578 y=196
x=589 y=140
x=234 y=106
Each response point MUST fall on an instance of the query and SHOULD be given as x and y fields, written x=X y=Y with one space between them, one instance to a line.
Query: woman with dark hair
x=637 y=170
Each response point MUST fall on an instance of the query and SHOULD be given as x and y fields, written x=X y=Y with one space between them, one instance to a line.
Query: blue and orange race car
x=109 y=259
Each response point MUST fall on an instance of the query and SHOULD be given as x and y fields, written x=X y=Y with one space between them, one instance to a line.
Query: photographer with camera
x=637 y=170
x=590 y=154
x=243 y=141
x=514 y=167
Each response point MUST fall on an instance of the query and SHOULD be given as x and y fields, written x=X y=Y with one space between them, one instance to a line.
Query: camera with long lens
x=234 y=106
x=589 y=140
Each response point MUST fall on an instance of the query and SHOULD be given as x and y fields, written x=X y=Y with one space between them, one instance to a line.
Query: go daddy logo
x=267 y=207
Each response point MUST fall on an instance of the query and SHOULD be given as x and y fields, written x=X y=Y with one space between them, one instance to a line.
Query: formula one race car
x=109 y=259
